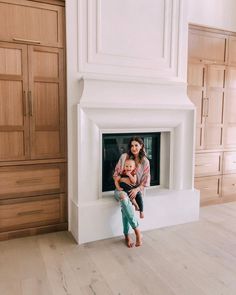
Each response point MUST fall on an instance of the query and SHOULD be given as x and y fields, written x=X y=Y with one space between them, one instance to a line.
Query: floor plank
x=197 y=258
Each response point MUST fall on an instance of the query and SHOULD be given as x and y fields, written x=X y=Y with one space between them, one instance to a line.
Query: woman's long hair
x=142 y=152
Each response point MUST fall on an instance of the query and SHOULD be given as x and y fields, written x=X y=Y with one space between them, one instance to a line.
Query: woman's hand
x=133 y=192
x=119 y=188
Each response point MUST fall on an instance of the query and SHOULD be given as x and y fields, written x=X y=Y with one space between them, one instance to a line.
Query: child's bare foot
x=138 y=237
x=129 y=241
x=141 y=215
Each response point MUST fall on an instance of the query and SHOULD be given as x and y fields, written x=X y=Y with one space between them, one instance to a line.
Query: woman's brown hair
x=142 y=152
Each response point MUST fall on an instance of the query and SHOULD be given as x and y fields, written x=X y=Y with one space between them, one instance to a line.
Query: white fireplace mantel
x=107 y=107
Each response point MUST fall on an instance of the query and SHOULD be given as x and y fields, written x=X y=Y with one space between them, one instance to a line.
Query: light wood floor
x=191 y=259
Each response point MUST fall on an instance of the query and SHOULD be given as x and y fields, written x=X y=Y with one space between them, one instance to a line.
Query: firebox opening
x=115 y=144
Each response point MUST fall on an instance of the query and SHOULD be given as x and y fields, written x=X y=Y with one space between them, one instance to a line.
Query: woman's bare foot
x=138 y=237
x=129 y=241
x=141 y=214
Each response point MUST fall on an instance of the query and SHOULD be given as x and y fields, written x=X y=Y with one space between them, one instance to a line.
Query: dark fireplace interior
x=115 y=144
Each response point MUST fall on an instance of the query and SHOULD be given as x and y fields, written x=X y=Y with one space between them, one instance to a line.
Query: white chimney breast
x=133 y=38
x=132 y=65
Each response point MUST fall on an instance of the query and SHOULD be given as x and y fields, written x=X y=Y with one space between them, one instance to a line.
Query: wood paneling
x=31 y=23
x=208 y=164
x=232 y=50
x=229 y=163
x=229 y=187
x=16 y=214
x=204 y=46
x=210 y=189
x=29 y=180
x=10 y=61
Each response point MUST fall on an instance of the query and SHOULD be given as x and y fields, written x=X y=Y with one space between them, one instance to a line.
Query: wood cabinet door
x=232 y=51
x=196 y=92
x=229 y=187
x=31 y=22
x=14 y=123
x=210 y=189
x=214 y=107
x=46 y=102
x=208 y=164
x=206 y=46
x=230 y=120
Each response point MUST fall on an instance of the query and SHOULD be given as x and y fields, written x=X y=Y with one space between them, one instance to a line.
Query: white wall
x=213 y=13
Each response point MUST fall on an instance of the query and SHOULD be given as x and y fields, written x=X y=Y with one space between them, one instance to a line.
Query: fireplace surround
x=175 y=201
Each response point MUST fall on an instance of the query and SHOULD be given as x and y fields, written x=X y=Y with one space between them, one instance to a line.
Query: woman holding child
x=136 y=152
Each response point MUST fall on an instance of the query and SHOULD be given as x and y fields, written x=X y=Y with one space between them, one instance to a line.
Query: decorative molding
x=100 y=53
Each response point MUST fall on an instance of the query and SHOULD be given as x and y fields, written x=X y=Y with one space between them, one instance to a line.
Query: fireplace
x=103 y=113
x=115 y=144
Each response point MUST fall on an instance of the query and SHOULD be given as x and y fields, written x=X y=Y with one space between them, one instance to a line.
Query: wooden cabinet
x=206 y=89
x=208 y=164
x=210 y=188
x=232 y=51
x=207 y=46
x=229 y=188
x=27 y=213
x=31 y=22
x=32 y=118
x=31 y=180
x=212 y=89
x=230 y=120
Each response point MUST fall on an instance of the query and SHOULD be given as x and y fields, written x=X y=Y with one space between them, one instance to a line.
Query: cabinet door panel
x=30 y=180
x=199 y=138
x=229 y=187
x=48 y=102
x=10 y=61
x=213 y=137
x=214 y=107
x=196 y=74
x=210 y=189
x=231 y=107
x=230 y=136
x=14 y=122
x=231 y=78
x=31 y=212
x=232 y=50
x=208 y=164
x=215 y=76
x=47 y=143
x=31 y=22
x=45 y=64
x=229 y=165
x=207 y=46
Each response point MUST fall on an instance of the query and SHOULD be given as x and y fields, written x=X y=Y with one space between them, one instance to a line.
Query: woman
x=137 y=153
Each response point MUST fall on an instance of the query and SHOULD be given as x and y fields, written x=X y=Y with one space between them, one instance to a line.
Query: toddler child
x=127 y=181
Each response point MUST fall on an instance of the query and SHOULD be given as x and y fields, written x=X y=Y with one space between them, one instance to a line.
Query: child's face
x=129 y=166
